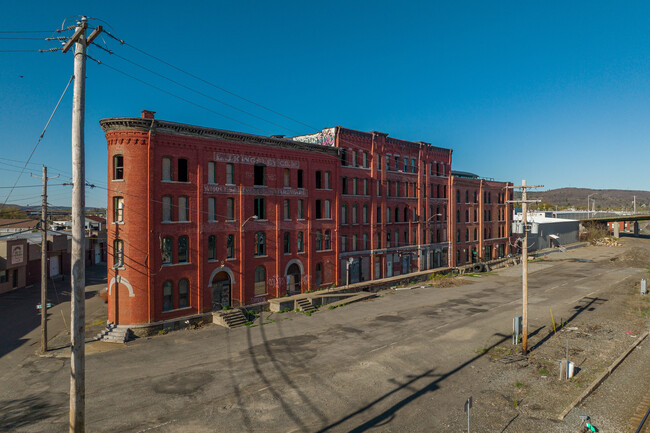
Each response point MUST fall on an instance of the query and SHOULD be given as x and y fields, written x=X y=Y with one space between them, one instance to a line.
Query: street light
x=253 y=217
x=588 y=197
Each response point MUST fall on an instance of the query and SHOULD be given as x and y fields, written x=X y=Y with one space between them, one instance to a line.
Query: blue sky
x=553 y=92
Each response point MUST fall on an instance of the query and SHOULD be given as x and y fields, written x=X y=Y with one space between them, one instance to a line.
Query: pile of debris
x=606 y=242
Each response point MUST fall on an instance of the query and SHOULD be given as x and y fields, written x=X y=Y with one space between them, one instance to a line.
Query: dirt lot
x=601 y=327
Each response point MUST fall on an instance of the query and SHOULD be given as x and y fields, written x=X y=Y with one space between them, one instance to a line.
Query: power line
x=194 y=90
x=99 y=62
x=39 y=140
x=33 y=31
x=208 y=82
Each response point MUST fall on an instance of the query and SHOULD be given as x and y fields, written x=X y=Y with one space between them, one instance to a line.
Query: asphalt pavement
x=404 y=362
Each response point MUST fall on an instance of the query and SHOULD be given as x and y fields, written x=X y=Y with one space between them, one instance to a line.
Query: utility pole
x=78 y=335
x=524 y=259
x=634 y=204
x=44 y=262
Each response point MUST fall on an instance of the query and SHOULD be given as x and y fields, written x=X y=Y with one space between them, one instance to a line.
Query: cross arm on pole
x=80 y=29
x=523 y=186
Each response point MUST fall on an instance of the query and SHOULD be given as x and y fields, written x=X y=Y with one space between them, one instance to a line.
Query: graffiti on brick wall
x=252 y=160
x=324 y=138
x=277 y=282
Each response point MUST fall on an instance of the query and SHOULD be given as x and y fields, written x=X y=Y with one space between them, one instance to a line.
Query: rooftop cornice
x=161 y=126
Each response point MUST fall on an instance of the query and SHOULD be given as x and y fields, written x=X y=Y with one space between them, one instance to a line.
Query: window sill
x=170 y=265
x=177 y=309
x=117 y=180
x=260 y=257
x=121 y=223
x=177 y=181
x=175 y=222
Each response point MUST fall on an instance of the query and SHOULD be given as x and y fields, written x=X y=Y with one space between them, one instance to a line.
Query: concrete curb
x=602 y=377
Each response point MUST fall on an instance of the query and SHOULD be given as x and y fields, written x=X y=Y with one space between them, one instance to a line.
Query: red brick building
x=392 y=204
x=200 y=218
x=480 y=219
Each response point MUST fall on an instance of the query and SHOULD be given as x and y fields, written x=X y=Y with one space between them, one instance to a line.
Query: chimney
x=146 y=114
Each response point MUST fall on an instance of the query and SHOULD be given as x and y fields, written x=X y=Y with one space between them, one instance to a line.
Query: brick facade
x=480 y=219
x=200 y=219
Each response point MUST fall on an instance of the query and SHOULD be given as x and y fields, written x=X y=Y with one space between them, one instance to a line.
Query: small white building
x=547 y=232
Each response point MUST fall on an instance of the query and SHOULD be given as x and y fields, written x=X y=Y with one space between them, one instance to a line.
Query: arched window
x=168 y=297
x=183 y=247
x=475 y=234
x=260 y=244
x=406 y=215
x=365 y=214
x=287 y=245
x=183 y=293
x=344 y=214
x=230 y=246
x=300 y=242
x=319 y=241
x=457 y=215
x=327 y=240
x=355 y=214
x=319 y=274
x=260 y=280
x=328 y=212
x=396 y=215
x=118 y=253
x=167 y=243
x=388 y=215
x=118 y=167
x=212 y=247
x=466 y=215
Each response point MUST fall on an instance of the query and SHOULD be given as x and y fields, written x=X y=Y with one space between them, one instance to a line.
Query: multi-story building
x=480 y=218
x=201 y=218
x=392 y=204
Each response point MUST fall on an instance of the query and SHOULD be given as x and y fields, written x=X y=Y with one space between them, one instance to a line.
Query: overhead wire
x=99 y=62
x=39 y=140
x=194 y=90
x=207 y=82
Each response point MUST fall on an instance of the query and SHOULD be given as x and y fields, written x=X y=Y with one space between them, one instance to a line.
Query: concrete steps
x=304 y=304
x=229 y=318
x=114 y=334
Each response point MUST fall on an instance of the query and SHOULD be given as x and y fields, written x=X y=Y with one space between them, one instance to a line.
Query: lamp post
x=588 y=197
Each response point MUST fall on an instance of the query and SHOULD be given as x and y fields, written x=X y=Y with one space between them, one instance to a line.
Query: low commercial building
x=547 y=232
x=13 y=264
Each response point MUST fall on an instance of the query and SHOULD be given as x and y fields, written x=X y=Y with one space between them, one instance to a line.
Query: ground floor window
x=183 y=293
x=168 y=297
x=260 y=280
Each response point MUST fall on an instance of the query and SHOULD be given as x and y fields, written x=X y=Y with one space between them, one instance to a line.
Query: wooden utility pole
x=524 y=258
x=78 y=335
x=44 y=262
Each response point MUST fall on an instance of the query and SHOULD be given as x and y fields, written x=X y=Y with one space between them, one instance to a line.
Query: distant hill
x=619 y=199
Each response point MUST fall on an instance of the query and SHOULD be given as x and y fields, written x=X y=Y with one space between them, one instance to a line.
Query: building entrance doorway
x=220 y=291
x=293 y=279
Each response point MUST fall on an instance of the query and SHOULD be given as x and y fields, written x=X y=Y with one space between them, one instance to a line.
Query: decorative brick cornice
x=160 y=126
